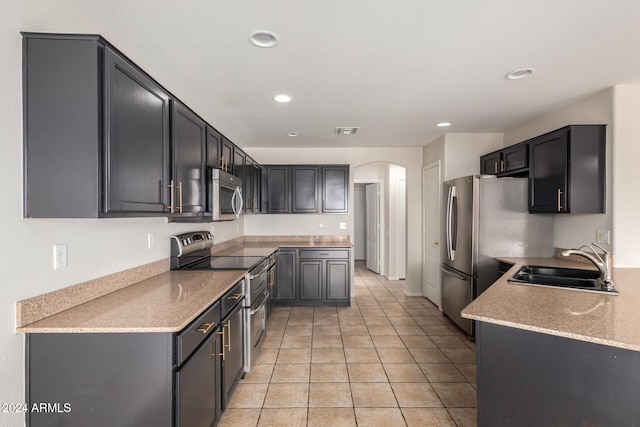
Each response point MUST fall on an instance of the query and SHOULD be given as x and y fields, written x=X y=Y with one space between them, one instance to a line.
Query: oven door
x=256 y=328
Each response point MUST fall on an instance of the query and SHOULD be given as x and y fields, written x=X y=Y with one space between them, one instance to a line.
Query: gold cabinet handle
x=171 y=197
x=180 y=195
x=495 y=167
x=235 y=296
x=206 y=327
x=223 y=352
x=559 y=198
x=501 y=165
x=229 y=335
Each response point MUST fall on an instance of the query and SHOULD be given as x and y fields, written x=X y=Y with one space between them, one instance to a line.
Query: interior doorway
x=431 y=199
x=381 y=239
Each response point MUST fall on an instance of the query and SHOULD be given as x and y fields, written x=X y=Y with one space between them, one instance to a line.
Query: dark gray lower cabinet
x=314 y=277
x=233 y=352
x=104 y=380
x=531 y=379
x=183 y=379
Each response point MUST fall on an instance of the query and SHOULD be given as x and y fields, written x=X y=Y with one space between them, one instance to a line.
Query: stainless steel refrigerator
x=485 y=217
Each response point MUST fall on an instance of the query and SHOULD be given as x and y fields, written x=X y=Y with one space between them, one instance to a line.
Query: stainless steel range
x=192 y=251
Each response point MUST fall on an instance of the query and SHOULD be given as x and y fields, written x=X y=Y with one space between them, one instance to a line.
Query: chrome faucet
x=603 y=265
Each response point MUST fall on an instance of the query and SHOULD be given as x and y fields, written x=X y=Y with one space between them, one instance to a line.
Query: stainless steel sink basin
x=558 y=277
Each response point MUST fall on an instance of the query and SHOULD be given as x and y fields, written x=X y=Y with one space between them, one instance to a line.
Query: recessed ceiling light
x=443 y=124
x=520 y=74
x=283 y=98
x=263 y=38
x=293 y=134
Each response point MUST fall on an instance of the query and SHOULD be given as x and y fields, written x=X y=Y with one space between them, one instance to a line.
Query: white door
x=431 y=279
x=401 y=235
x=373 y=227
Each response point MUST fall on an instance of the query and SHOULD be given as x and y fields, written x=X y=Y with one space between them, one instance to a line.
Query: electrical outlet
x=343 y=226
x=277 y=226
x=603 y=236
x=151 y=241
x=59 y=256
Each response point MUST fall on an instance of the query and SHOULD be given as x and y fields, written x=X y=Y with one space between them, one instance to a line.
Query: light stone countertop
x=611 y=320
x=167 y=302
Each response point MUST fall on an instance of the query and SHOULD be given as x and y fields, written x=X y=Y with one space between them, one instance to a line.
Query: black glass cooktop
x=235 y=262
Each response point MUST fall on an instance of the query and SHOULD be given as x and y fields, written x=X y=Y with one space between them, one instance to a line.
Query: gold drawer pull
x=206 y=327
x=235 y=296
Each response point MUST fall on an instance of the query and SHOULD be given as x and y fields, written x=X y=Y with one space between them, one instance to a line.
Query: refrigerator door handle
x=452 y=222
x=447 y=270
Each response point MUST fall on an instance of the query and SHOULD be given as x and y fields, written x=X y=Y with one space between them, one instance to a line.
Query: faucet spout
x=603 y=265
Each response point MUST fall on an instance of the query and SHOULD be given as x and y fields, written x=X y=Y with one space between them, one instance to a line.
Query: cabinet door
x=214 y=148
x=548 y=173
x=311 y=280
x=286 y=261
x=278 y=189
x=304 y=189
x=490 y=164
x=335 y=189
x=227 y=154
x=137 y=143
x=239 y=162
x=233 y=348
x=251 y=184
x=515 y=157
x=189 y=134
x=256 y=178
x=337 y=276
x=197 y=387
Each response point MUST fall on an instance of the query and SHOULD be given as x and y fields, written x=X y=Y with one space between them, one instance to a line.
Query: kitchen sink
x=559 y=277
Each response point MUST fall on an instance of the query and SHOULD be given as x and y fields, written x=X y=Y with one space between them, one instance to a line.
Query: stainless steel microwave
x=224 y=198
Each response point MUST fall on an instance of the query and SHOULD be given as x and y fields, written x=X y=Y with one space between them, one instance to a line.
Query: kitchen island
x=557 y=357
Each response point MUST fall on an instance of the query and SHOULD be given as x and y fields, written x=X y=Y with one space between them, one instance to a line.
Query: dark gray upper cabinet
x=278 y=189
x=335 y=189
x=297 y=189
x=304 y=189
x=115 y=123
x=189 y=134
x=252 y=186
x=510 y=161
x=567 y=170
x=214 y=148
x=137 y=141
x=96 y=131
x=226 y=160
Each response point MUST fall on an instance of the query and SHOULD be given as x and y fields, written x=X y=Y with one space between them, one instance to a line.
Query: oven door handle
x=260 y=304
x=253 y=276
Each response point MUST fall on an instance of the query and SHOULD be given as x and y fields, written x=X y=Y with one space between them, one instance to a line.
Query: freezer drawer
x=457 y=293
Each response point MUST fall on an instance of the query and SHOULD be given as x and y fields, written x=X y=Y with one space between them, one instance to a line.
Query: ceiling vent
x=347 y=130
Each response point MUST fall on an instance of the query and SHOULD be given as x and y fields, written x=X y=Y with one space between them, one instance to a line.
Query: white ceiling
x=394 y=68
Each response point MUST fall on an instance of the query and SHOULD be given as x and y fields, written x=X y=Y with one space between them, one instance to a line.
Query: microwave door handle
x=237 y=202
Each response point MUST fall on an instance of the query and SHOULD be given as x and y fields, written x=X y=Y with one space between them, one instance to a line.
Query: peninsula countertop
x=610 y=320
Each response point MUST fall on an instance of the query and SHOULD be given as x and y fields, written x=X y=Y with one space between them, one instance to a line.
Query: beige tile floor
x=388 y=360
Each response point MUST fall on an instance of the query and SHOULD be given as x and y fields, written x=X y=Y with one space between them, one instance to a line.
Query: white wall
x=96 y=247
x=462 y=152
x=410 y=158
x=573 y=230
x=626 y=176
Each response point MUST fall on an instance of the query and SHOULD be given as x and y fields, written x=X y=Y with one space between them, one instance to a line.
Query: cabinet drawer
x=232 y=297
x=191 y=337
x=326 y=253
